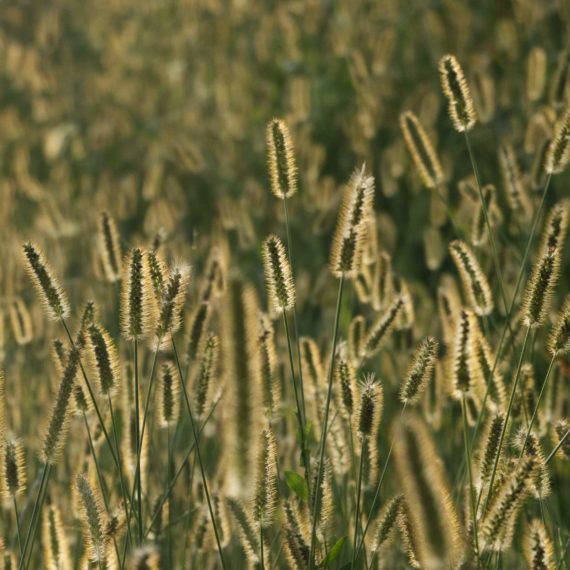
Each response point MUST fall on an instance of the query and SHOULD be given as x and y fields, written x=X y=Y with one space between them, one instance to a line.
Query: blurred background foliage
x=156 y=110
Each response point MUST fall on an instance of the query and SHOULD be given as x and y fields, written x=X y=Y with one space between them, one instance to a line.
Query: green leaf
x=297 y=484
x=333 y=552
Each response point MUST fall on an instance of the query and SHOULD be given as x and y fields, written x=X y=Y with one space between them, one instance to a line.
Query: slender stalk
x=509 y=410
x=127 y=500
x=36 y=513
x=99 y=476
x=535 y=412
x=295 y=327
x=138 y=441
x=325 y=426
x=490 y=232
x=183 y=465
x=358 y=491
x=299 y=410
x=137 y=478
x=168 y=473
x=17 y=525
x=92 y=396
x=378 y=487
x=198 y=454
x=558 y=446
x=471 y=487
x=513 y=300
x=261 y=546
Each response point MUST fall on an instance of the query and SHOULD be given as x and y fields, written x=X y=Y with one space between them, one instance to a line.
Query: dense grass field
x=284 y=284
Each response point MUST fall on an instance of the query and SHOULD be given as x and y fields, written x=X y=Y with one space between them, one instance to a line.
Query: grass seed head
x=422 y=151
x=281 y=160
x=278 y=276
x=48 y=288
x=456 y=89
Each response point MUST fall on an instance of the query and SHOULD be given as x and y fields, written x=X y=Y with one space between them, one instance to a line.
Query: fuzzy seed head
x=559 y=339
x=474 y=282
x=59 y=420
x=278 y=276
x=558 y=153
x=281 y=160
x=266 y=497
x=387 y=522
x=421 y=149
x=555 y=227
x=93 y=518
x=138 y=303
x=172 y=302
x=157 y=273
x=465 y=370
x=497 y=526
x=13 y=476
x=456 y=89
x=420 y=371
x=345 y=382
x=54 y=540
x=103 y=358
x=350 y=233
x=538 y=548
x=169 y=396
x=47 y=287
x=489 y=448
x=207 y=370
x=540 y=287
x=370 y=408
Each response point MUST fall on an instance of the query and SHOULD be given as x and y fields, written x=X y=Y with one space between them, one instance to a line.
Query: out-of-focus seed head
x=558 y=153
x=474 y=282
x=350 y=233
x=421 y=149
x=109 y=247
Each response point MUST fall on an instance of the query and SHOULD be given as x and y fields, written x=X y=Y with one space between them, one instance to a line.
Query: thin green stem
x=198 y=454
x=127 y=500
x=558 y=446
x=92 y=396
x=295 y=326
x=17 y=524
x=183 y=465
x=378 y=487
x=509 y=410
x=471 y=486
x=358 y=492
x=138 y=441
x=302 y=434
x=325 y=426
x=99 y=476
x=535 y=412
x=168 y=473
x=491 y=234
x=36 y=514
x=261 y=546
